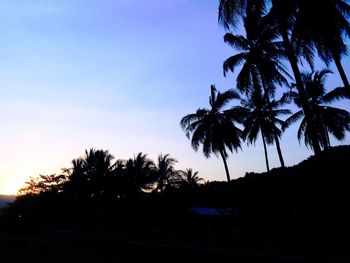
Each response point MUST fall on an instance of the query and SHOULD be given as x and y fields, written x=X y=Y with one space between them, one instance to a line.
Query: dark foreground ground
x=108 y=249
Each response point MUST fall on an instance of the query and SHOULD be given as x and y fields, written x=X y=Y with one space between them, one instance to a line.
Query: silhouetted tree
x=91 y=174
x=214 y=128
x=262 y=118
x=282 y=17
x=164 y=171
x=44 y=183
x=139 y=172
x=327 y=119
x=260 y=54
x=190 y=179
x=324 y=29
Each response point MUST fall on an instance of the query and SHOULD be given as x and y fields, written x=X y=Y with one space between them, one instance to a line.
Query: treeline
x=96 y=176
x=95 y=184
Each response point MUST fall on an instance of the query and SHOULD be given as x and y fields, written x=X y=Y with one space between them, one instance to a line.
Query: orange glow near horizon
x=13 y=176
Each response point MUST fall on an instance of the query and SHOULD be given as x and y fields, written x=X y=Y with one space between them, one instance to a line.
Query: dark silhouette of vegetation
x=214 y=128
x=190 y=179
x=138 y=173
x=260 y=54
x=327 y=119
x=262 y=117
x=323 y=29
x=165 y=171
x=42 y=184
x=282 y=16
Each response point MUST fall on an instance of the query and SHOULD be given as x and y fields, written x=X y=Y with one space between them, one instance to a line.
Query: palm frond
x=292 y=119
x=238 y=42
x=334 y=95
x=224 y=98
x=230 y=12
x=232 y=62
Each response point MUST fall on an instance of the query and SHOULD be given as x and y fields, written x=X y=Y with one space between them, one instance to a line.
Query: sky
x=116 y=75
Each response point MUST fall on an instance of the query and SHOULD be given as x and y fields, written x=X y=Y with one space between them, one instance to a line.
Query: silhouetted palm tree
x=90 y=174
x=190 y=179
x=282 y=14
x=260 y=55
x=320 y=23
x=139 y=172
x=213 y=128
x=328 y=120
x=231 y=11
x=324 y=28
x=282 y=17
x=262 y=118
x=164 y=171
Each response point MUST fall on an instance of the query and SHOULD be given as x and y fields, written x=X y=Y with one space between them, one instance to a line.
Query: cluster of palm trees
x=276 y=32
x=97 y=176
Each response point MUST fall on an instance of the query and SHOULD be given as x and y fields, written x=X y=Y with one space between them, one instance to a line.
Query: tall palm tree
x=214 y=128
x=281 y=16
x=260 y=55
x=262 y=118
x=328 y=120
x=164 y=171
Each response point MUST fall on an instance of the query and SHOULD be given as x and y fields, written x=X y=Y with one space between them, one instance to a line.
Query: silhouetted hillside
x=327 y=163
x=6 y=199
x=314 y=178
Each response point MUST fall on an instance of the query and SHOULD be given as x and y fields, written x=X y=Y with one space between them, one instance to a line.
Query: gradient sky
x=116 y=75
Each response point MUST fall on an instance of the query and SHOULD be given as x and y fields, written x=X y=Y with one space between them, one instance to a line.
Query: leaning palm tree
x=213 y=128
x=262 y=118
x=260 y=56
x=327 y=119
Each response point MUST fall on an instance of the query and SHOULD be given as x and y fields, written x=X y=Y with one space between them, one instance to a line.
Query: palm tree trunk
x=300 y=86
x=226 y=167
x=342 y=73
x=270 y=110
x=280 y=156
x=265 y=150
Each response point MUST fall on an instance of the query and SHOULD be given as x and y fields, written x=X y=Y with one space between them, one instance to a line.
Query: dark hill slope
x=315 y=189
x=6 y=199
x=303 y=208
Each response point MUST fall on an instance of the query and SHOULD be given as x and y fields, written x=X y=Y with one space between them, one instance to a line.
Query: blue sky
x=112 y=74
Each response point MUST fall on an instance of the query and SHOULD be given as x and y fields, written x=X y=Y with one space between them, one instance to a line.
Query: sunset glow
x=113 y=75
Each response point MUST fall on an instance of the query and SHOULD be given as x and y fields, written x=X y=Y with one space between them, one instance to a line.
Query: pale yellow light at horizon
x=14 y=174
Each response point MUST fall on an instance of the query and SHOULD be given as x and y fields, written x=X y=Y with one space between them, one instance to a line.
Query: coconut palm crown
x=327 y=119
x=214 y=128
